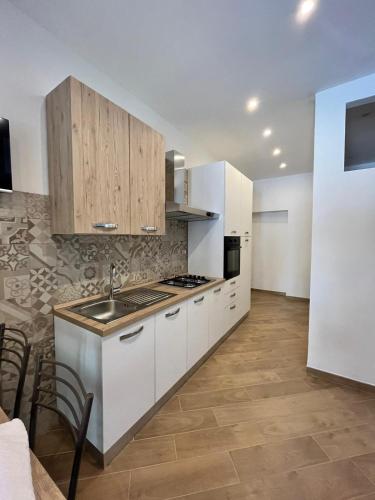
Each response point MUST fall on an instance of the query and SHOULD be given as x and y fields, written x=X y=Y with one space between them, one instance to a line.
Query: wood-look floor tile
x=241 y=491
x=224 y=438
x=213 y=398
x=111 y=486
x=348 y=442
x=54 y=441
x=276 y=389
x=214 y=367
x=328 y=481
x=254 y=355
x=171 y=406
x=171 y=423
x=367 y=465
x=182 y=477
x=205 y=384
x=309 y=423
x=145 y=452
x=265 y=460
x=135 y=454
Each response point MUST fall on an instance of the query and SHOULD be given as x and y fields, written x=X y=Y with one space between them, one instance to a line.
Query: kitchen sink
x=104 y=310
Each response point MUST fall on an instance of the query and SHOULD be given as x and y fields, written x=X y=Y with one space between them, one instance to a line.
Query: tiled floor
x=249 y=424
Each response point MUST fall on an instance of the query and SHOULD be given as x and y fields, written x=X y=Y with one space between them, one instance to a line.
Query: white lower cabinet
x=231 y=315
x=245 y=276
x=198 y=321
x=170 y=347
x=128 y=377
x=216 y=319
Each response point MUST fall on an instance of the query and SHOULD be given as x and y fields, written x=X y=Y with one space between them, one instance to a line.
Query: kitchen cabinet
x=198 y=321
x=245 y=276
x=147 y=179
x=233 y=189
x=106 y=168
x=170 y=347
x=216 y=317
x=128 y=378
x=231 y=315
x=246 y=195
x=88 y=156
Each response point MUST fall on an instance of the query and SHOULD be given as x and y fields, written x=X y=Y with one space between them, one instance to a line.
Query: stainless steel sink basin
x=104 y=310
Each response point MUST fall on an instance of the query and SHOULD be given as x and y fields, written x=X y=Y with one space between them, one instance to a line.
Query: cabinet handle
x=105 y=225
x=199 y=300
x=233 y=295
x=233 y=232
x=247 y=239
x=149 y=229
x=217 y=290
x=232 y=307
x=246 y=232
x=169 y=315
x=233 y=282
x=132 y=334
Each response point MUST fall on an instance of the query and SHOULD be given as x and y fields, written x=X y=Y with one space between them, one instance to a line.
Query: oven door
x=232 y=256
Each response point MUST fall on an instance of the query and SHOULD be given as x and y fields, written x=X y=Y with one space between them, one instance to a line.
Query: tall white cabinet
x=222 y=188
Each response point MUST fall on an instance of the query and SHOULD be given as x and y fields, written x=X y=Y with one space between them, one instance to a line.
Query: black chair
x=15 y=350
x=45 y=395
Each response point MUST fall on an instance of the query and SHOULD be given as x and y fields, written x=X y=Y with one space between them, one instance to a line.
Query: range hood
x=176 y=190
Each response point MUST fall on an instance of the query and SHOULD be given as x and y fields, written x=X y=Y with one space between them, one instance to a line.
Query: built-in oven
x=232 y=256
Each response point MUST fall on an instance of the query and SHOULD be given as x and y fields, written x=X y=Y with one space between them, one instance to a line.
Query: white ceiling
x=196 y=62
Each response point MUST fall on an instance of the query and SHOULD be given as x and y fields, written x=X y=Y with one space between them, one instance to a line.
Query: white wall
x=342 y=314
x=33 y=62
x=270 y=251
x=294 y=194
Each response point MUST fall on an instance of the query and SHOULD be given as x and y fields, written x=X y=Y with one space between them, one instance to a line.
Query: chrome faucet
x=112 y=288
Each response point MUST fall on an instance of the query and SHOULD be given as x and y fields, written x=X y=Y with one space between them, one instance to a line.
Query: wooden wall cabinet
x=147 y=179
x=103 y=166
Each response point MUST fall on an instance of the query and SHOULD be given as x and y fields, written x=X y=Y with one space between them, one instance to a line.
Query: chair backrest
x=58 y=388
x=15 y=351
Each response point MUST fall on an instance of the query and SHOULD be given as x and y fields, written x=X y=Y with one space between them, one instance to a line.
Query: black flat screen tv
x=5 y=163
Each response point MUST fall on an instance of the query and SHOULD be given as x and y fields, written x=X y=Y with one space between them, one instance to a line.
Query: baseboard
x=104 y=459
x=269 y=291
x=282 y=294
x=338 y=379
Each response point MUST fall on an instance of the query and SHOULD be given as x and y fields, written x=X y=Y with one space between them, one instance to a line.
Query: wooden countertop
x=181 y=294
x=44 y=487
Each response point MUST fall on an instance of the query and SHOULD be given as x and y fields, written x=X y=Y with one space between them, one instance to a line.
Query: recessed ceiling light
x=283 y=165
x=267 y=132
x=252 y=104
x=305 y=10
x=276 y=152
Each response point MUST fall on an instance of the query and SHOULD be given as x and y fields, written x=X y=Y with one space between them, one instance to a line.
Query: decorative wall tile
x=39 y=270
x=14 y=257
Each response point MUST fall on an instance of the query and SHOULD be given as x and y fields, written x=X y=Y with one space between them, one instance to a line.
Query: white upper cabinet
x=170 y=347
x=233 y=190
x=246 y=206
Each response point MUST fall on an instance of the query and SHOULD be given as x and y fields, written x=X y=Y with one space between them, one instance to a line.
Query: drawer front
x=198 y=321
x=231 y=315
x=170 y=347
x=128 y=359
x=231 y=285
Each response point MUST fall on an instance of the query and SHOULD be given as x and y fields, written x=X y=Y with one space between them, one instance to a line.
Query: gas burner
x=186 y=281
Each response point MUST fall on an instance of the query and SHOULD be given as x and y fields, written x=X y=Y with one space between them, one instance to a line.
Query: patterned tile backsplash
x=38 y=270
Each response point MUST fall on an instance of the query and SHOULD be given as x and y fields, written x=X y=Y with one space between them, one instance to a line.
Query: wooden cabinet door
x=100 y=157
x=246 y=206
x=147 y=179
x=170 y=347
x=128 y=359
x=232 y=201
x=198 y=318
